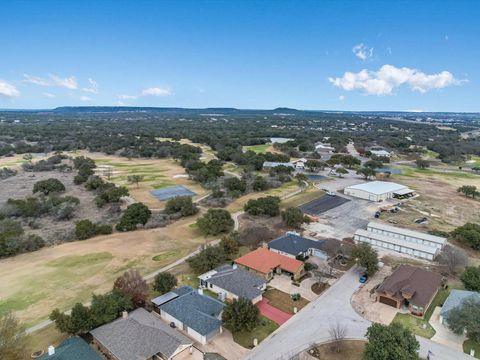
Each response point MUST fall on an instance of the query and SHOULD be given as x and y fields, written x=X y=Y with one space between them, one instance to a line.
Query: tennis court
x=322 y=204
x=169 y=192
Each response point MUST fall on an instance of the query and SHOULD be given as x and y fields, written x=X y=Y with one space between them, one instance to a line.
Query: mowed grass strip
x=260 y=332
x=284 y=301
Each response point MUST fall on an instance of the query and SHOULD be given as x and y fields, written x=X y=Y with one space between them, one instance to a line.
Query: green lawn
x=415 y=325
x=64 y=271
x=470 y=344
x=438 y=300
x=262 y=148
x=166 y=255
x=283 y=301
x=265 y=328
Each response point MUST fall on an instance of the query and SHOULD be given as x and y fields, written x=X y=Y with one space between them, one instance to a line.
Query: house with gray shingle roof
x=196 y=314
x=454 y=300
x=140 y=335
x=231 y=282
x=73 y=348
x=292 y=245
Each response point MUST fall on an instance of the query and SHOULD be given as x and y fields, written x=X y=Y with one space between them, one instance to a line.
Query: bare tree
x=133 y=284
x=337 y=332
x=453 y=259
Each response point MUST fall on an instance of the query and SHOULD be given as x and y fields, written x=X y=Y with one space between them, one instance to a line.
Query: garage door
x=387 y=301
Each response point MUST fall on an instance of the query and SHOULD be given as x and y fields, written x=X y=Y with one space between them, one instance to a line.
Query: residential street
x=311 y=325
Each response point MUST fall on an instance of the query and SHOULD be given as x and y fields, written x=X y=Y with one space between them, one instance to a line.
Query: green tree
x=340 y=171
x=314 y=165
x=207 y=259
x=422 y=164
x=181 y=204
x=48 y=186
x=240 y=315
x=466 y=318
x=393 y=342
x=366 y=257
x=229 y=244
x=269 y=205
x=11 y=233
x=471 y=278
x=367 y=172
x=302 y=180
x=468 y=234
x=79 y=321
x=468 y=191
x=134 y=215
x=85 y=229
x=106 y=308
x=135 y=179
x=164 y=282
x=12 y=338
x=215 y=221
x=259 y=183
x=234 y=184
x=293 y=217
x=28 y=157
x=373 y=164
x=134 y=285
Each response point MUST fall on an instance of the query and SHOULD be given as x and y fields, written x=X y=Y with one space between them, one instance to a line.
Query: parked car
x=363 y=279
x=377 y=214
x=421 y=220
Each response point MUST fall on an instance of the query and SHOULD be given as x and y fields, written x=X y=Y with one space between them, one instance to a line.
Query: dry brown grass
x=350 y=349
x=61 y=275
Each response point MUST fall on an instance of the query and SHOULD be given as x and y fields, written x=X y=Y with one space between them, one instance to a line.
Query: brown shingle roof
x=420 y=284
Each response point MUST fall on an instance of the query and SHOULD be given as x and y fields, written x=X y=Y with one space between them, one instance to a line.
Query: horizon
x=343 y=55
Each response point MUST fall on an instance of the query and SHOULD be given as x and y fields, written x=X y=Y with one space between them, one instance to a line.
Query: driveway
x=224 y=345
x=443 y=335
x=272 y=312
x=312 y=324
x=284 y=283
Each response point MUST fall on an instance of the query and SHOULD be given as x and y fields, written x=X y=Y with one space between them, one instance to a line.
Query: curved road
x=311 y=326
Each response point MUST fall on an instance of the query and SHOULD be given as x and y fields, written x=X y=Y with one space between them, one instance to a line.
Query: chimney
x=200 y=291
x=51 y=350
x=124 y=314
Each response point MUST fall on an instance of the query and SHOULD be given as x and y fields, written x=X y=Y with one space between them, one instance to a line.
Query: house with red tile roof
x=268 y=263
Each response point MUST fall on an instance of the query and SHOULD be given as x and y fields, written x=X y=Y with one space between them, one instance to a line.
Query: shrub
x=269 y=205
x=164 y=282
x=48 y=186
x=134 y=215
x=207 y=259
x=85 y=229
x=215 y=221
x=181 y=204
x=293 y=217
x=241 y=315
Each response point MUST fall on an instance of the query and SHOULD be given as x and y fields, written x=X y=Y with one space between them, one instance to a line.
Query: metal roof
x=274 y=164
x=395 y=241
x=407 y=232
x=378 y=187
x=162 y=299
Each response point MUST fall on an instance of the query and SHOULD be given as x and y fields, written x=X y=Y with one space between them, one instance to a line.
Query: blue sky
x=332 y=55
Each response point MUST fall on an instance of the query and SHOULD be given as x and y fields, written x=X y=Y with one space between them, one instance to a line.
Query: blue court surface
x=171 y=191
x=315 y=177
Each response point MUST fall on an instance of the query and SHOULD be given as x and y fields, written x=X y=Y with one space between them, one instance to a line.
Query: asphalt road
x=325 y=203
x=312 y=324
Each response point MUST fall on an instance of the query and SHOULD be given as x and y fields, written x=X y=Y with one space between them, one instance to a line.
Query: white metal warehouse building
x=405 y=241
x=377 y=190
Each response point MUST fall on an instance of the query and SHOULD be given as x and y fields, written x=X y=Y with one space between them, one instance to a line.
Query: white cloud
x=85 y=98
x=69 y=83
x=362 y=52
x=155 y=91
x=53 y=80
x=126 y=97
x=36 y=80
x=93 y=87
x=8 y=90
x=389 y=77
x=341 y=97
x=48 y=95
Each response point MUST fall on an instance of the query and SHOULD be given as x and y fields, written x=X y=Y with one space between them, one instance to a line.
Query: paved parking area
x=322 y=204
